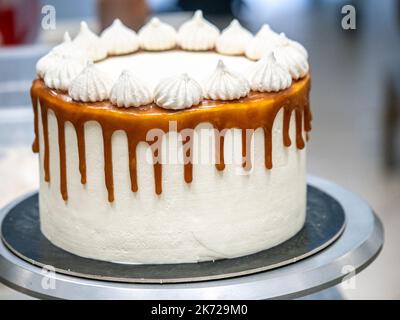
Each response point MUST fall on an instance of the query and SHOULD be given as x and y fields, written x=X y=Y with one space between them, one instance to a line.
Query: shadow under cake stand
x=342 y=235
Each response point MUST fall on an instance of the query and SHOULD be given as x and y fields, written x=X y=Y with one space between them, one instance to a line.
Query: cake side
x=220 y=214
x=141 y=165
x=150 y=123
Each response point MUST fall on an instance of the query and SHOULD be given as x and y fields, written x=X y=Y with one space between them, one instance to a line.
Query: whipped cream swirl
x=233 y=39
x=90 y=85
x=60 y=75
x=283 y=40
x=157 y=35
x=129 y=91
x=264 y=41
x=224 y=84
x=90 y=43
x=291 y=58
x=197 y=34
x=46 y=62
x=67 y=49
x=267 y=75
x=119 y=39
x=178 y=92
x=266 y=32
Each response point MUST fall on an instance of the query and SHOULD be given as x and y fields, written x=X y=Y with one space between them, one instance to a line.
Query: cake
x=172 y=146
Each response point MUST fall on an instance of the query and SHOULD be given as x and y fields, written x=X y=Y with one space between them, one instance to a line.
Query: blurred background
x=355 y=99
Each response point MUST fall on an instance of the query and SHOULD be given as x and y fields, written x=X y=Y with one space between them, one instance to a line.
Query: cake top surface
x=173 y=69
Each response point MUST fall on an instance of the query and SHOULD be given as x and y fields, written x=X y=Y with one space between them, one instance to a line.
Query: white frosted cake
x=172 y=146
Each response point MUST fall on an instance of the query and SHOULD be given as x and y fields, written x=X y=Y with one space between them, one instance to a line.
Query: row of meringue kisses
x=69 y=66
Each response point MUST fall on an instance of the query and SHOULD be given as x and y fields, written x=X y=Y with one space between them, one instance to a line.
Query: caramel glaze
x=258 y=110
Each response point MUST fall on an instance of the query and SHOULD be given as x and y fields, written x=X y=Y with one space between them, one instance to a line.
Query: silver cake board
x=20 y=231
x=315 y=258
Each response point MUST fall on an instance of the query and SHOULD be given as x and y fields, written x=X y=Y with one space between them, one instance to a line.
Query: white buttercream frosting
x=66 y=46
x=129 y=91
x=291 y=58
x=225 y=84
x=178 y=92
x=90 y=43
x=281 y=39
x=264 y=41
x=67 y=49
x=266 y=32
x=267 y=75
x=90 y=85
x=157 y=35
x=233 y=39
x=197 y=34
x=66 y=38
x=294 y=44
x=46 y=62
x=119 y=39
x=60 y=75
x=205 y=209
x=151 y=67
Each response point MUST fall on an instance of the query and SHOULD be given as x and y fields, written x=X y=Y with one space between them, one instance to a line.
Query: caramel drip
x=157 y=169
x=108 y=165
x=258 y=110
x=187 y=140
x=286 y=121
x=299 y=131
x=219 y=150
x=132 y=163
x=35 y=144
x=80 y=133
x=246 y=148
x=268 y=147
x=307 y=122
x=63 y=164
x=46 y=160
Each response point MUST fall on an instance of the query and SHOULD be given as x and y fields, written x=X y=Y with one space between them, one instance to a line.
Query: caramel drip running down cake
x=172 y=146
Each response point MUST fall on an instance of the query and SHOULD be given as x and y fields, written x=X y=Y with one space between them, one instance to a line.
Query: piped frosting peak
x=90 y=85
x=225 y=84
x=267 y=75
x=285 y=41
x=233 y=39
x=66 y=37
x=46 y=62
x=60 y=75
x=64 y=66
x=90 y=43
x=157 y=35
x=266 y=32
x=64 y=46
x=264 y=41
x=178 y=92
x=66 y=49
x=119 y=39
x=197 y=34
x=290 y=57
x=129 y=91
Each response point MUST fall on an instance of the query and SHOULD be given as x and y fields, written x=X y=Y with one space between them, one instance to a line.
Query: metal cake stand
x=347 y=251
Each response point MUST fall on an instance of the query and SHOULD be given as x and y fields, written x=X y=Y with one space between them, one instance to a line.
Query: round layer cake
x=172 y=146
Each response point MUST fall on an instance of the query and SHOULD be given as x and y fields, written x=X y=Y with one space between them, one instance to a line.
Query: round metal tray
x=359 y=244
x=21 y=233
